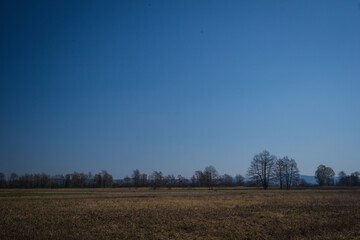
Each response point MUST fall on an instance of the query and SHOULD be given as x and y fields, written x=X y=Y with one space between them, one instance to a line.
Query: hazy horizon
x=175 y=86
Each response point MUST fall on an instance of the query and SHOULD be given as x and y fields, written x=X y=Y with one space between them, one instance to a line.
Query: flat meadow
x=223 y=213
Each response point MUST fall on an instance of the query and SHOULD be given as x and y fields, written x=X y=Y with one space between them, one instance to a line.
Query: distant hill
x=312 y=179
x=309 y=179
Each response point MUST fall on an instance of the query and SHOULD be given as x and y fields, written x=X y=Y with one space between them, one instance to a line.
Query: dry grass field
x=179 y=214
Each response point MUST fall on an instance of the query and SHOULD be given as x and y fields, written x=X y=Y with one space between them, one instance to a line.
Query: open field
x=179 y=214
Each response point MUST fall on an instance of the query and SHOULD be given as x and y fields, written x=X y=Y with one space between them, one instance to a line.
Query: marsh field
x=227 y=213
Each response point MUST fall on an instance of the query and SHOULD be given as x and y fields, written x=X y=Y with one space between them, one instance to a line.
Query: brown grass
x=179 y=214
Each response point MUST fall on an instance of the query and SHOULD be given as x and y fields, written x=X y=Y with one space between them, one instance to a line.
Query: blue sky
x=178 y=85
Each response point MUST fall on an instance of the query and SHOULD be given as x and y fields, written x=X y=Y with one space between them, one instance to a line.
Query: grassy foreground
x=179 y=214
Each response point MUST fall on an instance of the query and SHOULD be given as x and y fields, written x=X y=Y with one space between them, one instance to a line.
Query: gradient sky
x=178 y=85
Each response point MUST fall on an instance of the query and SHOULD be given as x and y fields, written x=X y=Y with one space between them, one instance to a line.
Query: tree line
x=265 y=170
x=209 y=177
x=325 y=177
x=349 y=180
x=75 y=179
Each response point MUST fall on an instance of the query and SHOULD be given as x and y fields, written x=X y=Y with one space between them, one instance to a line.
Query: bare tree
x=2 y=180
x=136 y=178
x=291 y=172
x=348 y=180
x=354 y=179
x=75 y=179
x=104 y=179
x=279 y=170
x=343 y=179
x=324 y=175
x=68 y=182
x=239 y=180
x=97 y=180
x=193 y=181
x=156 y=179
x=182 y=181
x=262 y=168
x=90 y=180
x=227 y=180
x=14 y=179
x=169 y=181
x=143 y=179
x=211 y=175
x=200 y=178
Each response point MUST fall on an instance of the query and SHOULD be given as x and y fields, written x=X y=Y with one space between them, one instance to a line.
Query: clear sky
x=178 y=85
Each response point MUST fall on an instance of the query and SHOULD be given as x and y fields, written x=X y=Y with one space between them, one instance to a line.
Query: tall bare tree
x=291 y=172
x=262 y=168
x=279 y=170
x=143 y=179
x=193 y=181
x=287 y=172
x=136 y=178
x=211 y=175
x=200 y=178
x=107 y=179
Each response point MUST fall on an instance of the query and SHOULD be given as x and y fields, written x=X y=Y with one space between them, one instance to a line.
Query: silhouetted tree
x=136 y=178
x=291 y=172
x=83 y=179
x=348 y=180
x=14 y=180
x=143 y=180
x=75 y=180
x=156 y=179
x=98 y=180
x=279 y=170
x=324 y=175
x=57 y=181
x=107 y=179
x=90 y=181
x=239 y=180
x=37 y=180
x=2 y=180
x=226 y=180
x=193 y=181
x=25 y=181
x=343 y=179
x=211 y=175
x=182 y=181
x=200 y=178
x=262 y=168
x=354 y=179
x=169 y=181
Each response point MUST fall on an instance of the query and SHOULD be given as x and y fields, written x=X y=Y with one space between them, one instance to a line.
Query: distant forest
x=265 y=170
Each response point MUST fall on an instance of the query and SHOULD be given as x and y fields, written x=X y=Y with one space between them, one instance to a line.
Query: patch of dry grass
x=179 y=214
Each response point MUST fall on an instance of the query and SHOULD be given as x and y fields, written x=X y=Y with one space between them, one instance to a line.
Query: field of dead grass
x=179 y=214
